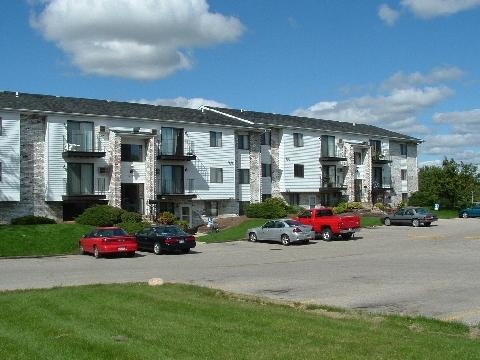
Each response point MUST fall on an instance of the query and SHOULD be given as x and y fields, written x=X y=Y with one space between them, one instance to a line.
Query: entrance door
x=186 y=214
x=132 y=197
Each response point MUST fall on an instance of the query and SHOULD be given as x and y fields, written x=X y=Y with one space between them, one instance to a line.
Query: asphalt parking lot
x=430 y=271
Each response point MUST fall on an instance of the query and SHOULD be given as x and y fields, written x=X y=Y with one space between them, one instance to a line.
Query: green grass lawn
x=135 y=321
x=234 y=233
x=32 y=240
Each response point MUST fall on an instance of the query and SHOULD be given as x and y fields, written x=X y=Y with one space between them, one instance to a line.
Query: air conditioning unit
x=103 y=128
x=154 y=131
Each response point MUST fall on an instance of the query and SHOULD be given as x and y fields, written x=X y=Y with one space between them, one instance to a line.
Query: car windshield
x=293 y=223
x=170 y=230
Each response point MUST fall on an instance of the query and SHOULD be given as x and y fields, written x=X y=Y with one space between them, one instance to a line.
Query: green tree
x=451 y=184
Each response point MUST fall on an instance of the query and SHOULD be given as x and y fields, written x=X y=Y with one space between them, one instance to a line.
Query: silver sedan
x=284 y=230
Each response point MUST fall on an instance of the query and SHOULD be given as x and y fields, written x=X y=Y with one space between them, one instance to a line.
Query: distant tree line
x=451 y=185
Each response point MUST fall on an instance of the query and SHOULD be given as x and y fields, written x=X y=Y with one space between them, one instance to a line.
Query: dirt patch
x=225 y=222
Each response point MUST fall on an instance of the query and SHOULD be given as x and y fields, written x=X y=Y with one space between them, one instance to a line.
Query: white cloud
x=396 y=110
x=387 y=14
x=137 y=39
x=193 y=103
x=402 y=104
x=436 y=75
x=433 y=8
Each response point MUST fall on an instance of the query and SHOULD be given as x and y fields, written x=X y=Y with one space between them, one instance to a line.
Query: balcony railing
x=337 y=154
x=171 y=150
x=381 y=157
x=382 y=184
x=99 y=190
x=83 y=144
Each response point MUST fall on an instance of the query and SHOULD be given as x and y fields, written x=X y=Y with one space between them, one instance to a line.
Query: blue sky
x=411 y=66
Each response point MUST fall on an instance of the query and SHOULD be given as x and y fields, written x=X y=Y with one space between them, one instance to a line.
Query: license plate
x=122 y=249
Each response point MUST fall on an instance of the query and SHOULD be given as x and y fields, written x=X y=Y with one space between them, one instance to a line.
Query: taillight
x=170 y=241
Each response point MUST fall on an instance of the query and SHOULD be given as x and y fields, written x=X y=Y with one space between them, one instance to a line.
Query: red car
x=108 y=240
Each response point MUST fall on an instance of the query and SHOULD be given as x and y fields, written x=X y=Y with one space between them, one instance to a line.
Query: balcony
x=83 y=145
x=86 y=194
x=171 y=189
x=172 y=150
x=381 y=157
x=381 y=185
x=329 y=186
x=337 y=154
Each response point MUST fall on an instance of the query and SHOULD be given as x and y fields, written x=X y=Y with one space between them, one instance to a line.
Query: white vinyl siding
x=55 y=165
x=10 y=157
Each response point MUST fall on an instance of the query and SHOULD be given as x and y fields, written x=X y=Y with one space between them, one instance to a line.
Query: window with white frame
x=216 y=175
x=265 y=138
x=243 y=142
x=297 y=139
x=328 y=148
x=215 y=139
x=403 y=174
x=132 y=152
x=243 y=176
x=298 y=170
x=266 y=170
x=403 y=149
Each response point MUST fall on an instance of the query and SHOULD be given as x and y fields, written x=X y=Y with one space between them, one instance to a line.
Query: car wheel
x=464 y=215
x=81 y=250
x=387 y=221
x=252 y=237
x=96 y=253
x=327 y=234
x=157 y=248
x=186 y=251
x=415 y=223
x=285 y=240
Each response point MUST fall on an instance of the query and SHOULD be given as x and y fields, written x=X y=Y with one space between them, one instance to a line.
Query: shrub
x=354 y=205
x=340 y=208
x=166 y=218
x=101 y=215
x=269 y=209
x=182 y=225
x=132 y=227
x=130 y=216
x=32 y=220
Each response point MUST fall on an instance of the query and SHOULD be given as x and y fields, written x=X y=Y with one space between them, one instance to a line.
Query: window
x=404 y=197
x=297 y=139
x=376 y=146
x=244 y=176
x=357 y=158
x=0 y=171
x=79 y=179
x=215 y=139
x=1 y=126
x=132 y=152
x=298 y=170
x=211 y=208
x=172 y=179
x=403 y=149
x=328 y=146
x=404 y=174
x=294 y=199
x=80 y=135
x=265 y=138
x=172 y=141
x=266 y=170
x=243 y=142
x=329 y=175
x=216 y=175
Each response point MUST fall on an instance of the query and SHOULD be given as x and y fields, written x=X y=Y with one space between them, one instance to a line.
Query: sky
x=410 y=66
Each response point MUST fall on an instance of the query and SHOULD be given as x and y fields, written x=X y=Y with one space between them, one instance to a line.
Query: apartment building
x=60 y=155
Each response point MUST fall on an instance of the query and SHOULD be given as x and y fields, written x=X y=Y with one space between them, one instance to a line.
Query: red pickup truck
x=328 y=225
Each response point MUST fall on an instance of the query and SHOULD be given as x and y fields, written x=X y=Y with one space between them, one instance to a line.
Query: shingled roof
x=269 y=120
x=48 y=104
